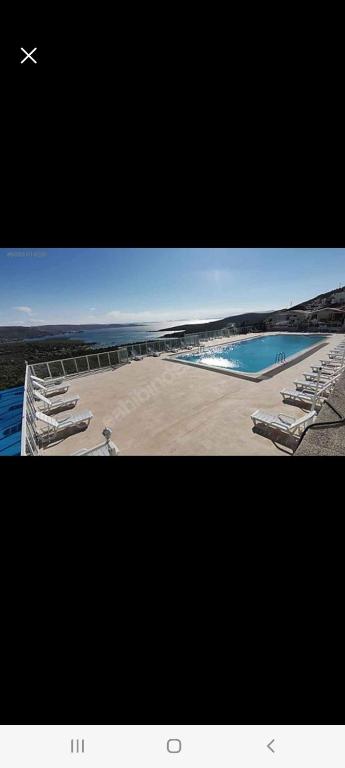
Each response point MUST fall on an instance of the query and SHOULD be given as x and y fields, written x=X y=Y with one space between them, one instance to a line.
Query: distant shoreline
x=26 y=331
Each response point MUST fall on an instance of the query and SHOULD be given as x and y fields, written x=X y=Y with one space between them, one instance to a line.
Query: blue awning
x=11 y=409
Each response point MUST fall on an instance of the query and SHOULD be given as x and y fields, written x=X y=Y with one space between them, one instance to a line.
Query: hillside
x=248 y=318
x=23 y=333
x=255 y=318
x=310 y=303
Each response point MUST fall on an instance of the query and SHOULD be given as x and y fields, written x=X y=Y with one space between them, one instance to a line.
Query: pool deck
x=158 y=409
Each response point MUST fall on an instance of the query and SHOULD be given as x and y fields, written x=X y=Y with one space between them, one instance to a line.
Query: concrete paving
x=159 y=408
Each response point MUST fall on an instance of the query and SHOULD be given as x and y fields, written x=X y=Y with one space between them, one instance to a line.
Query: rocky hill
x=256 y=318
x=248 y=318
x=317 y=300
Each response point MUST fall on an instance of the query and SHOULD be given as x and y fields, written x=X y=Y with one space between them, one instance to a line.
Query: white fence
x=77 y=366
x=29 y=439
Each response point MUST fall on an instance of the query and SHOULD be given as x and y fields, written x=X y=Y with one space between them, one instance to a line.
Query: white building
x=338 y=298
x=289 y=319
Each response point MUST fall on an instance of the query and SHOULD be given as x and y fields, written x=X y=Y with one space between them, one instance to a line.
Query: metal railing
x=194 y=339
x=83 y=364
x=29 y=440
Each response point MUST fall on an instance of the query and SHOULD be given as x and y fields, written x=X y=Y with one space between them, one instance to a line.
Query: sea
x=110 y=337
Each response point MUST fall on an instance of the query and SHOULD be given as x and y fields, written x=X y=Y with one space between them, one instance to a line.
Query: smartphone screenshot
x=171 y=297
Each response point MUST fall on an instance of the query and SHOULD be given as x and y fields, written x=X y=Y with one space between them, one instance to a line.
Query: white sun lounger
x=59 y=389
x=305 y=395
x=329 y=372
x=330 y=368
x=284 y=423
x=59 y=402
x=331 y=363
x=54 y=427
x=326 y=367
x=331 y=376
x=311 y=386
x=325 y=375
x=47 y=382
x=302 y=396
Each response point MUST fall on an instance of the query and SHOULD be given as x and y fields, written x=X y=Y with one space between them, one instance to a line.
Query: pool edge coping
x=265 y=373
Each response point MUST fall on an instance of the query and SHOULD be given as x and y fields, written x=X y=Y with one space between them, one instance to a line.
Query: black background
x=170 y=590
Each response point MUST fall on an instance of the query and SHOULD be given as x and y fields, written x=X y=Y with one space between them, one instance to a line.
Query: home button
x=174 y=745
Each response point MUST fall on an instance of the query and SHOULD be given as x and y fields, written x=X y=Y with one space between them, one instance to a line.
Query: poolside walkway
x=159 y=408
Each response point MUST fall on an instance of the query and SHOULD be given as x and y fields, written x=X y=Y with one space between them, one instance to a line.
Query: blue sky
x=49 y=285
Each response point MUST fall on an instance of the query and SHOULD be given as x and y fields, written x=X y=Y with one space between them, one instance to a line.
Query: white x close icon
x=28 y=55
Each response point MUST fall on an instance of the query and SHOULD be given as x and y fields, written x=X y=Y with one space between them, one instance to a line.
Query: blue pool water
x=253 y=355
x=11 y=409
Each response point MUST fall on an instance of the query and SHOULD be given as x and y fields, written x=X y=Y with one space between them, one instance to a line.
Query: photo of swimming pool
x=255 y=354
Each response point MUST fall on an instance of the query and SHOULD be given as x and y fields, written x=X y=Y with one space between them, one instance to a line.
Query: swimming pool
x=11 y=410
x=255 y=355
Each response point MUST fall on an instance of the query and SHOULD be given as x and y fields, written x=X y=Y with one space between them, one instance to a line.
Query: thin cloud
x=27 y=310
x=216 y=276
